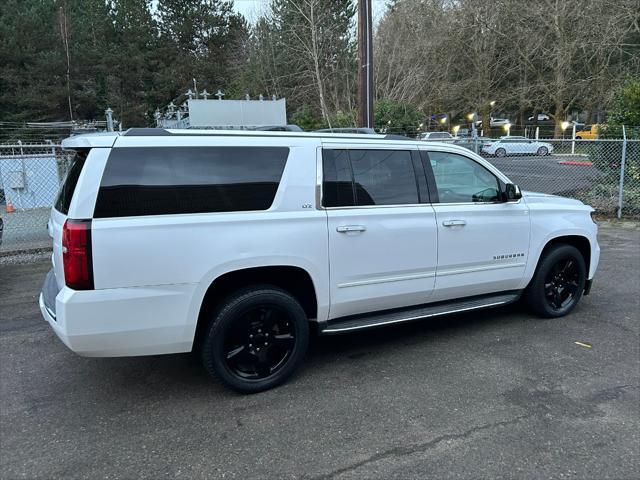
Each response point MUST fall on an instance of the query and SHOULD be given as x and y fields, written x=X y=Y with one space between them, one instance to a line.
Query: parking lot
x=547 y=174
x=495 y=394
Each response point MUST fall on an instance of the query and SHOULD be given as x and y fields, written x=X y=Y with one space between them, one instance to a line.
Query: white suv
x=236 y=244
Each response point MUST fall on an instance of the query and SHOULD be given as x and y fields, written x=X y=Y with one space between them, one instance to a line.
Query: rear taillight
x=76 y=254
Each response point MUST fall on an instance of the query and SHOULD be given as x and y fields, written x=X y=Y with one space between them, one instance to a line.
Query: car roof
x=107 y=139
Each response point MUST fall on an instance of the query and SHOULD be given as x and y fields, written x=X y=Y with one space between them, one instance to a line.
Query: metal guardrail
x=602 y=173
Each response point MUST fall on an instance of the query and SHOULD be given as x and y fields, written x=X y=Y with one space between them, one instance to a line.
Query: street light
x=492 y=103
x=455 y=130
x=564 y=125
x=507 y=128
x=470 y=116
x=443 y=120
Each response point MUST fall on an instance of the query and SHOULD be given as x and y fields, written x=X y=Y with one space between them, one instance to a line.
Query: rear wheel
x=256 y=339
x=500 y=152
x=558 y=284
x=543 y=151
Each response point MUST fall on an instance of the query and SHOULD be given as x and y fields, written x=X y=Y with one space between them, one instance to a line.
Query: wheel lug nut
x=250 y=345
x=259 y=331
x=250 y=336
x=266 y=343
x=258 y=349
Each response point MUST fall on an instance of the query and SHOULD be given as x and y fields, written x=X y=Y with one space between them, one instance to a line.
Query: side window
x=337 y=187
x=383 y=177
x=460 y=180
x=171 y=180
x=368 y=177
x=70 y=182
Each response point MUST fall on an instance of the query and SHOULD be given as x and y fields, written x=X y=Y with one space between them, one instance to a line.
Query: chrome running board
x=389 y=317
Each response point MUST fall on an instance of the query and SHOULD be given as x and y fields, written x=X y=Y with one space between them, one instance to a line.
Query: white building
x=207 y=113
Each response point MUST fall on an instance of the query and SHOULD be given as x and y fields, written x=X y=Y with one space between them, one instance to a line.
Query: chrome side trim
x=407 y=319
x=387 y=279
x=479 y=269
x=319 y=179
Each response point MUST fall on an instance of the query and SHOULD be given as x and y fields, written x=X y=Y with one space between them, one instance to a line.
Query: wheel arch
x=295 y=280
x=581 y=242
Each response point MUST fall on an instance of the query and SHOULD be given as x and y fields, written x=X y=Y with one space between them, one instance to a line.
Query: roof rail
x=396 y=137
x=161 y=132
x=146 y=132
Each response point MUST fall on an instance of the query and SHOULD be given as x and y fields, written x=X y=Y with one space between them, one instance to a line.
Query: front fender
x=548 y=224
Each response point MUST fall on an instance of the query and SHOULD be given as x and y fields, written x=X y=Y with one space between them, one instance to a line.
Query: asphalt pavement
x=493 y=394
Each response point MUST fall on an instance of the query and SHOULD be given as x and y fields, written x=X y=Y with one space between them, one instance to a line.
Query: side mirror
x=512 y=192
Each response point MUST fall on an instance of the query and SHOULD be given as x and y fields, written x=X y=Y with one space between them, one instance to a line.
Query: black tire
x=543 y=151
x=500 y=152
x=256 y=339
x=558 y=283
x=578 y=138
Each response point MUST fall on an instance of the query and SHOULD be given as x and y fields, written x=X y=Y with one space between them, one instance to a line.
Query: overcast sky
x=252 y=9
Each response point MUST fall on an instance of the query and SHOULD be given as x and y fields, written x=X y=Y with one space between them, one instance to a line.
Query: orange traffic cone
x=10 y=208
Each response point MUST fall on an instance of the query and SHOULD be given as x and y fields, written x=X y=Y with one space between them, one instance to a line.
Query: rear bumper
x=122 y=321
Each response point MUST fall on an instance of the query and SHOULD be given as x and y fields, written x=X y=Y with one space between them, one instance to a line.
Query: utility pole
x=365 y=65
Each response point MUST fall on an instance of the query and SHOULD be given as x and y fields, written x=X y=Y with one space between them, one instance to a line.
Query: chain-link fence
x=30 y=177
x=590 y=170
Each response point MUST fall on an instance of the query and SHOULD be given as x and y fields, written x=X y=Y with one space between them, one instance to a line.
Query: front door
x=483 y=243
x=382 y=231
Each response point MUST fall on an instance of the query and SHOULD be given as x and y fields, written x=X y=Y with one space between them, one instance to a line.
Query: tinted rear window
x=71 y=180
x=171 y=180
x=368 y=177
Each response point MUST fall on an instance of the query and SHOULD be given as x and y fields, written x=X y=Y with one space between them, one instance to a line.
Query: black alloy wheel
x=562 y=283
x=256 y=338
x=500 y=152
x=558 y=283
x=259 y=343
x=543 y=151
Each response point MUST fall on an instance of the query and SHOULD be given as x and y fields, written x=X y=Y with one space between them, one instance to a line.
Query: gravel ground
x=493 y=394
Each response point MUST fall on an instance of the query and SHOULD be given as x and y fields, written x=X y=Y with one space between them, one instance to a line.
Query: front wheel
x=256 y=339
x=558 y=284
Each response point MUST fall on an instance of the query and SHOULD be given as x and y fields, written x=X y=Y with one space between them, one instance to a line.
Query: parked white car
x=495 y=122
x=513 y=145
x=237 y=244
x=542 y=117
x=436 y=136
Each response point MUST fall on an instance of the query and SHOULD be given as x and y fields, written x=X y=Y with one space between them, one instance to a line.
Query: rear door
x=382 y=231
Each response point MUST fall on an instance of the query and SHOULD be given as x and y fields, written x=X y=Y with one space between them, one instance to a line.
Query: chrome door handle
x=350 y=228
x=454 y=223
